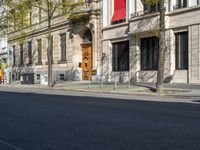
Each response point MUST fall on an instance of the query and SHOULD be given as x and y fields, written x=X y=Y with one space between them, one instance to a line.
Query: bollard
x=129 y=83
x=101 y=83
x=115 y=83
x=3 y=80
x=89 y=84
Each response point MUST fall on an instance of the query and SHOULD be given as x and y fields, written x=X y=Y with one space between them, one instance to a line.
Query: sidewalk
x=140 y=89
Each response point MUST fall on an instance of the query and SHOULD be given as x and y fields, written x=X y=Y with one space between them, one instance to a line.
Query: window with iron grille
x=181 y=44
x=39 y=49
x=149 y=53
x=180 y=4
x=38 y=76
x=30 y=52
x=62 y=76
x=150 y=8
x=21 y=54
x=120 y=56
x=14 y=57
x=63 y=46
x=51 y=48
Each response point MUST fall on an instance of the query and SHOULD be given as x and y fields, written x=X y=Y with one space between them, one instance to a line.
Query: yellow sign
x=1 y=72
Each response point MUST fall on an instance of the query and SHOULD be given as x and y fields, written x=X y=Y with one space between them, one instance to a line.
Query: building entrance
x=86 y=61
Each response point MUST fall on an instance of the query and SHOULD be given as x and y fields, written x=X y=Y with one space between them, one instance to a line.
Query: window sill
x=120 y=71
x=115 y=25
x=118 y=22
x=149 y=70
x=51 y=63
x=181 y=69
x=183 y=10
x=38 y=64
x=29 y=64
x=62 y=62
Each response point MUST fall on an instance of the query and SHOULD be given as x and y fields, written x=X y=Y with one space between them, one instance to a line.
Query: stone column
x=134 y=58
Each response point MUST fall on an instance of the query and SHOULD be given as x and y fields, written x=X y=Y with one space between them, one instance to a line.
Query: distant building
x=3 y=50
x=131 y=48
x=76 y=45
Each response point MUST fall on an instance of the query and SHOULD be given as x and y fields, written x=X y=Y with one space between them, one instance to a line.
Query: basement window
x=62 y=76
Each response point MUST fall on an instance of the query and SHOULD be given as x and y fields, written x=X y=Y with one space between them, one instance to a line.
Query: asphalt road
x=51 y=122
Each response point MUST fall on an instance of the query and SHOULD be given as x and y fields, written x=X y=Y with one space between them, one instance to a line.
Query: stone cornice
x=183 y=10
x=116 y=26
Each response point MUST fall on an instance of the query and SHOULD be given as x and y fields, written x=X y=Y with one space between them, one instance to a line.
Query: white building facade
x=131 y=46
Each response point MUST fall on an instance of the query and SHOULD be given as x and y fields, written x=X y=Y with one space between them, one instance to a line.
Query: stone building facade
x=76 y=45
x=130 y=43
x=3 y=49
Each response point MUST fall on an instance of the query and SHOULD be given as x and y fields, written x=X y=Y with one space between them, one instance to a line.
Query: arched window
x=87 y=37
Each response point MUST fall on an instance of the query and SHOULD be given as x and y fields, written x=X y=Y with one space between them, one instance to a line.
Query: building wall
x=194 y=53
x=139 y=25
x=74 y=33
x=112 y=35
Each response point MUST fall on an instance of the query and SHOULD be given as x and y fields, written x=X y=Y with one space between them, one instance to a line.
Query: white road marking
x=9 y=145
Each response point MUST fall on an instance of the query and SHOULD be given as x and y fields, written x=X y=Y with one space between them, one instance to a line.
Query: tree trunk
x=49 y=55
x=161 y=63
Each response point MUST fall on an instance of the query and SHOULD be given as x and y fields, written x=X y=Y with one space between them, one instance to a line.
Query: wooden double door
x=86 y=61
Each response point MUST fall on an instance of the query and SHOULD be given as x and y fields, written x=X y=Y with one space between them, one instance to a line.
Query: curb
x=145 y=94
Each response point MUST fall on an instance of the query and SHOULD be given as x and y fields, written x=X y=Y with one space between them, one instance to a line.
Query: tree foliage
x=3 y=20
x=15 y=14
x=18 y=17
